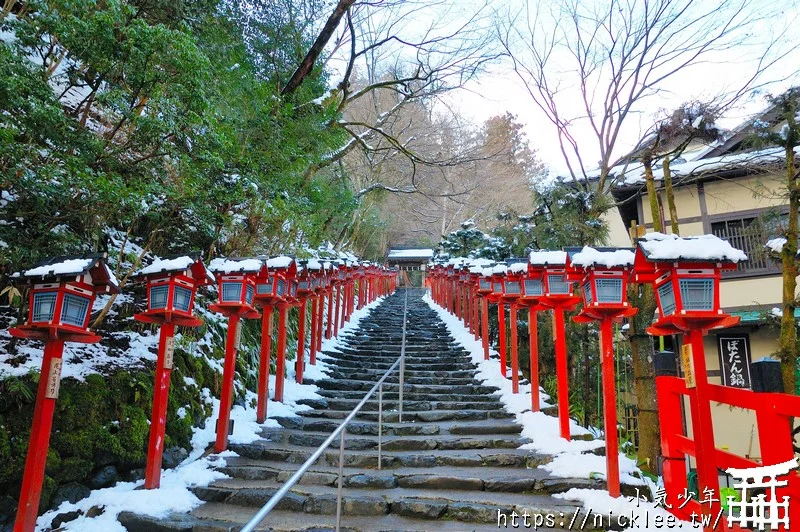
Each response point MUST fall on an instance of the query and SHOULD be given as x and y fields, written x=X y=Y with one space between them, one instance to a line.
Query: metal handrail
x=340 y=431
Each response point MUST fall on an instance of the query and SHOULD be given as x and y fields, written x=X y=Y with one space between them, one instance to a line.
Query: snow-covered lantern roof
x=685 y=273
x=485 y=280
x=498 y=278
x=603 y=274
x=274 y=286
x=553 y=268
x=306 y=276
x=63 y=290
x=236 y=281
x=341 y=270
x=517 y=268
x=316 y=273
x=171 y=285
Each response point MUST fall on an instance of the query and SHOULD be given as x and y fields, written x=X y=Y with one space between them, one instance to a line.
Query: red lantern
x=171 y=285
x=63 y=290
x=558 y=296
x=284 y=269
x=236 y=279
x=686 y=274
x=603 y=274
x=512 y=293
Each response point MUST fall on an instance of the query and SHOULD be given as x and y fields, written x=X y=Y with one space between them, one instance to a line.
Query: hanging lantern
x=603 y=276
x=171 y=285
x=236 y=279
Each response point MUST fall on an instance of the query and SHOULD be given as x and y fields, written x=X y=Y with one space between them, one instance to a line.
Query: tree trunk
x=787 y=343
x=668 y=190
x=652 y=195
x=307 y=65
x=643 y=297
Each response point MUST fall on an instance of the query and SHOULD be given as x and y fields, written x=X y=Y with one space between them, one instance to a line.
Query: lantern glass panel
x=158 y=296
x=513 y=288
x=587 y=293
x=533 y=287
x=498 y=288
x=182 y=299
x=557 y=284
x=486 y=284
x=74 y=310
x=608 y=290
x=281 y=287
x=264 y=288
x=231 y=292
x=666 y=296
x=44 y=305
x=697 y=294
x=248 y=294
x=302 y=285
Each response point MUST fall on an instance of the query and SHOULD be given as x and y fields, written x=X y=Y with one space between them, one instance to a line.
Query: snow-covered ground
x=175 y=493
x=571 y=459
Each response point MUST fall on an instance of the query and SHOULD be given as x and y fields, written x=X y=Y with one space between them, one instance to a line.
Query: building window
x=748 y=234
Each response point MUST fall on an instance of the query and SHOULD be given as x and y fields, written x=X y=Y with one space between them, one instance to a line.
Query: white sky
x=501 y=90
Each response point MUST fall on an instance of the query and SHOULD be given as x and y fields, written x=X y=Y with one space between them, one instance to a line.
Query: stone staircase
x=454 y=462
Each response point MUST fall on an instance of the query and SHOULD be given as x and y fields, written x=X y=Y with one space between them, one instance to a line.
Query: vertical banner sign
x=687 y=364
x=54 y=379
x=238 y=341
x=169 y=352
x=734 y=360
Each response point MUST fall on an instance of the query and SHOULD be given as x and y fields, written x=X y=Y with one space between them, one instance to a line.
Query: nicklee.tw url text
x=586 y=519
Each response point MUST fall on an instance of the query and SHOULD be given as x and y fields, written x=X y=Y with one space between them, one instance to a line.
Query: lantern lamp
x=62 y=295
x=603 y=274
x=171 y=285
x=236 y=279
x=686 y=274
x=553 y=265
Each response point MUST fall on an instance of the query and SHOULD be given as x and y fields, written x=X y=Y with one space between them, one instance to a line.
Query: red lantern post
x=532 y=290
x=171 y=286
x=685 y=273
x=485 y=294
x=603 y=274
x=287 y=268
x=236 y=279
x=559 y=298
x=498 y=290
x=63 y=290
x=305 y=290
x=512 y=292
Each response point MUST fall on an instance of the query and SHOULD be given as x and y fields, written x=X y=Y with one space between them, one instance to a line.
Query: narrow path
x=453 y=464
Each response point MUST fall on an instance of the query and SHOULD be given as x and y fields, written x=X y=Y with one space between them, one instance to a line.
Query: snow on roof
x=410 y=253
x=480 y=262
x=65 y=267
x=222 y=265
x=314 y=264
x=167 y=265
x=545 y=258
x=280 y=262
x=590 y=256
x=487 y=272
x=500 y=268
x=519 y=267
x=660 y=247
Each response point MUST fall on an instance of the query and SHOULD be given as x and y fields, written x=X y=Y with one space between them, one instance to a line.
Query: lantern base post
x=533 y=340
x=301 y=343
x=501 y=325
x=562 y=376
x=158 y=419
x=485 y=327
x=313 y=347
x=263 y=364
x=514 y=350
x=39 y=441
x=280 y=365
x=609 y=406
x=228 y=373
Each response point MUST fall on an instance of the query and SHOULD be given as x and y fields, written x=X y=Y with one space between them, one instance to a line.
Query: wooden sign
x=734 y=360
x=687 y=364
x=238 y=333
x=169 y=352
x=54 y=379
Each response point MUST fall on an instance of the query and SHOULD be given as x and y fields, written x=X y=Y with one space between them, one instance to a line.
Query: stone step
x=424 y=504
x=413 y=417
x=388 y=360
x=366 y=385
x=433 y=365
x=218 y=517
x=494 y=426
x=410 y=396
x=301 y=438
x=441 y=378
x=495 y=479
x=295 y=454
x=412 y=406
